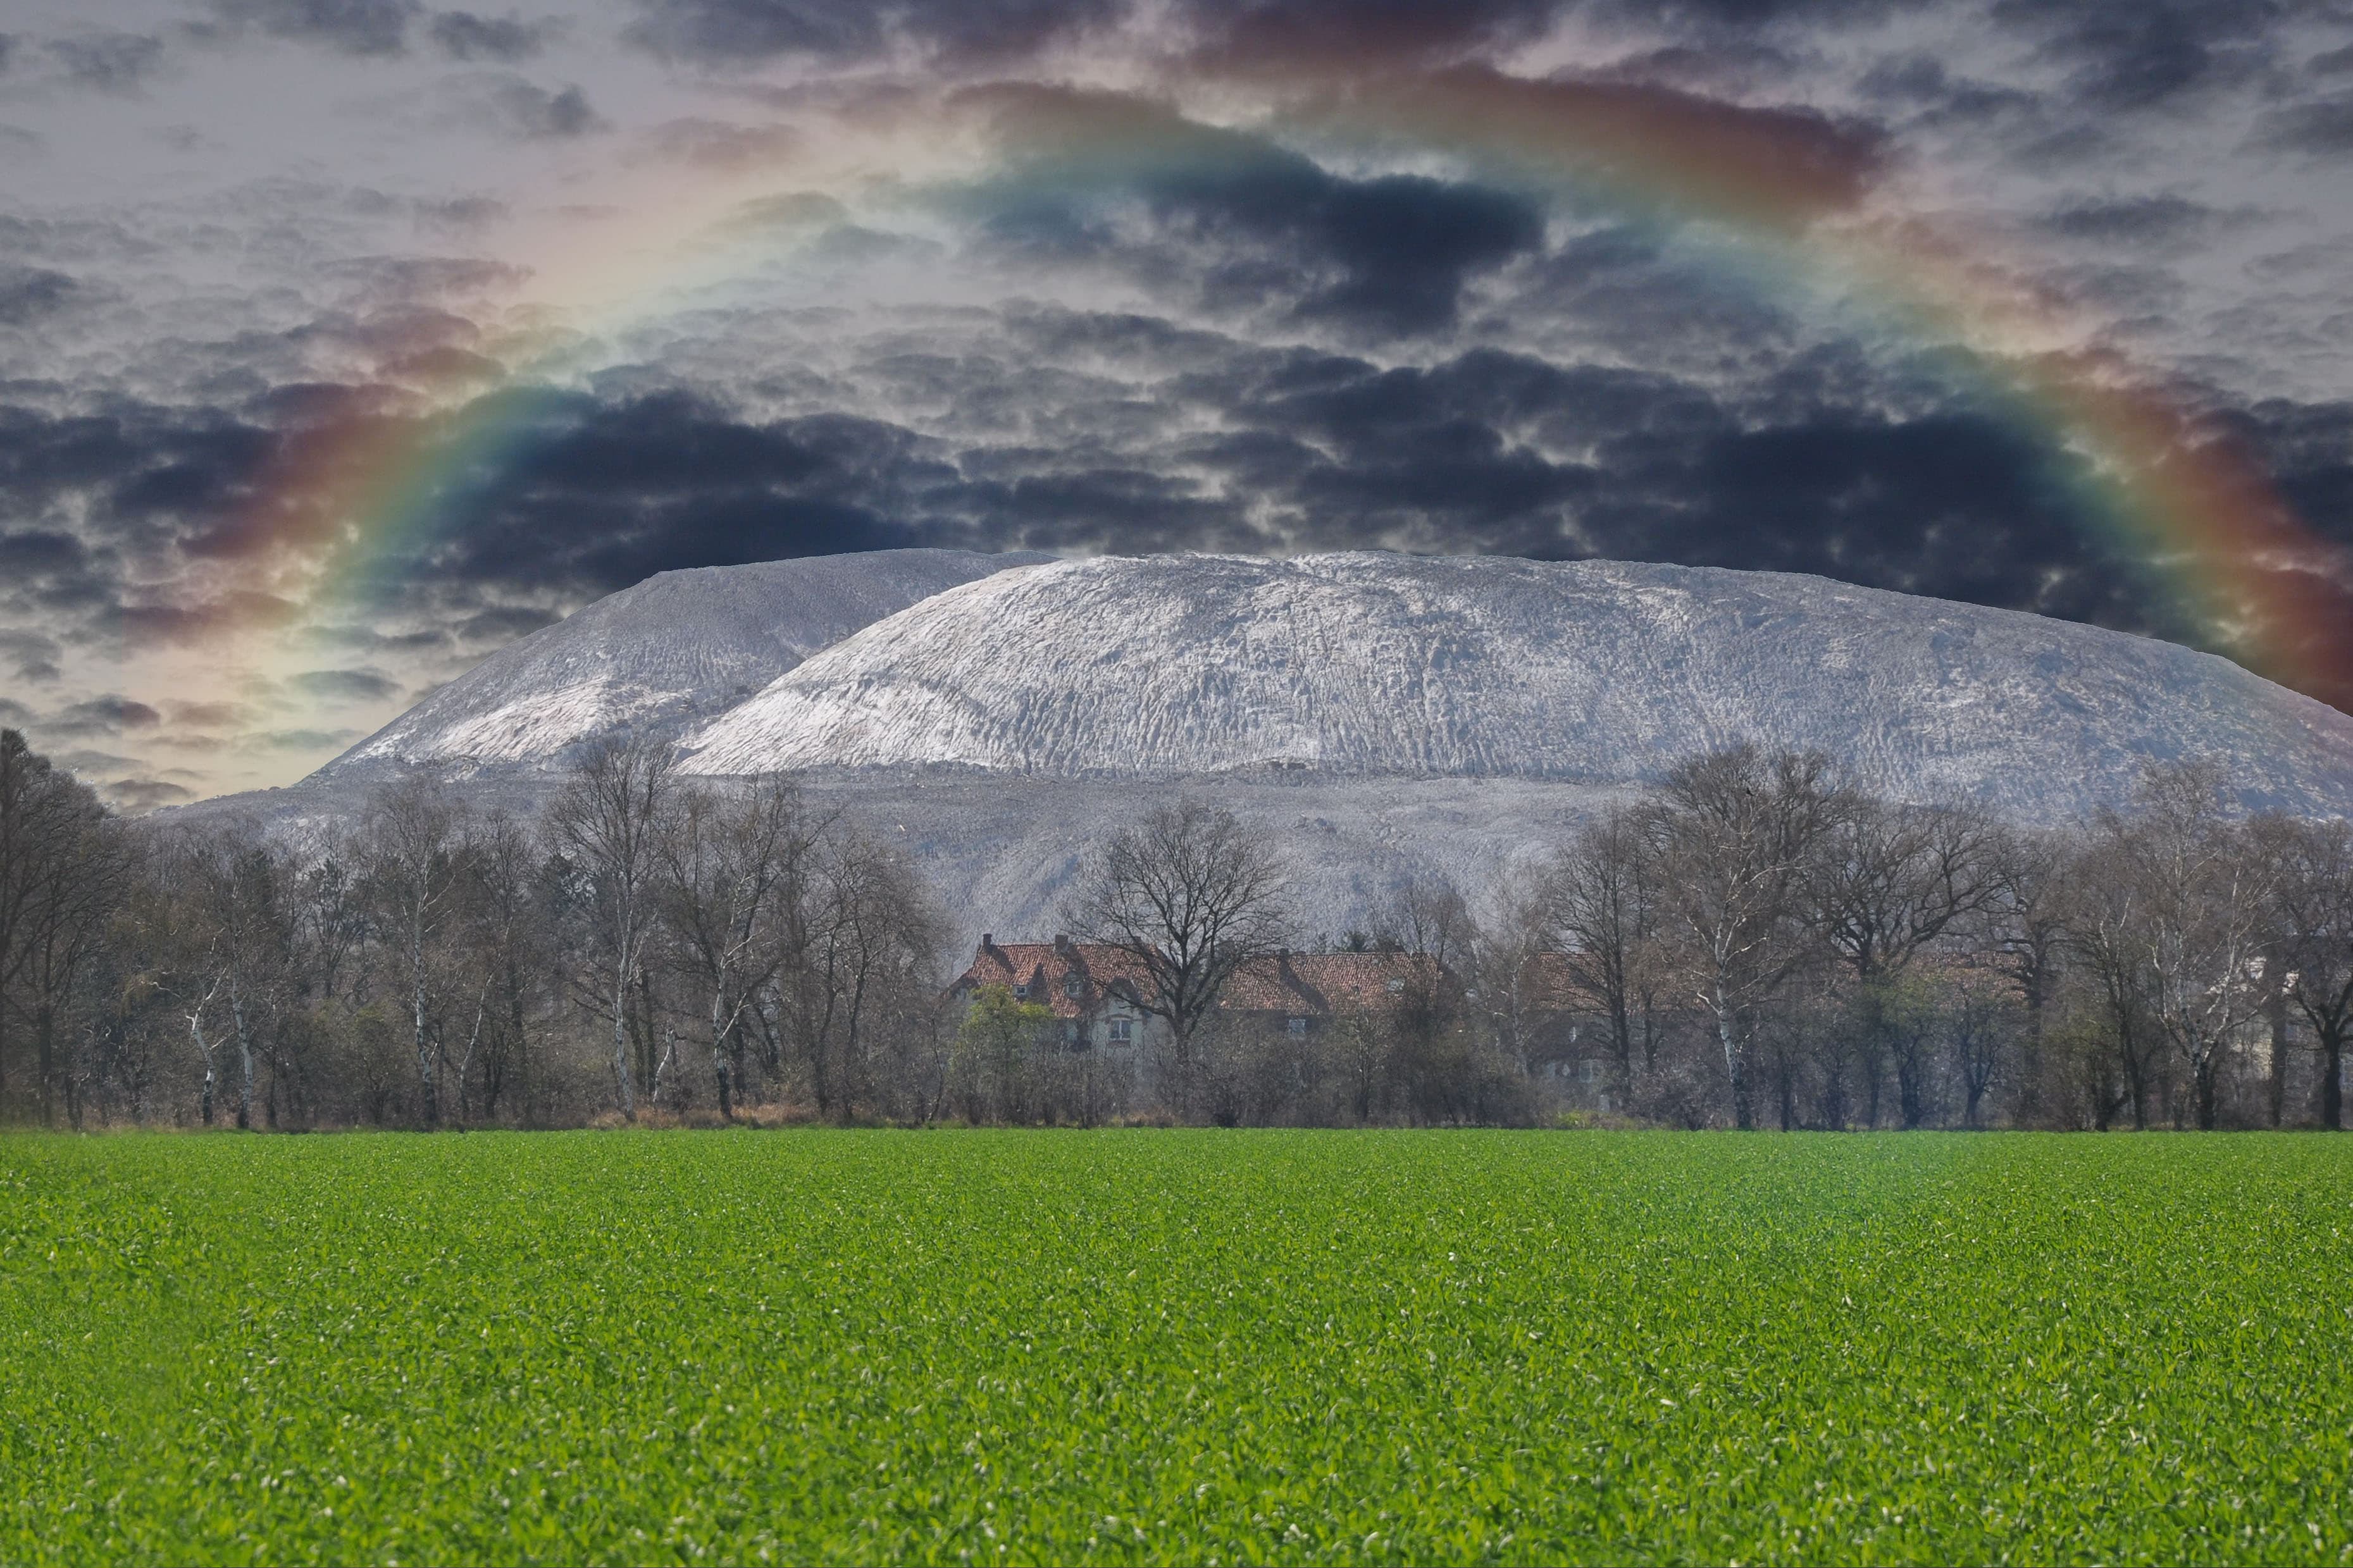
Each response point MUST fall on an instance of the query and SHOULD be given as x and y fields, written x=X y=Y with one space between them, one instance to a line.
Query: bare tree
x=416 y=870
x=606 y=825
x=2021 y=930
x=732 y=865
x=234 y=934
x=1600 y=909
x=1737 y=831
x=1886 y=881
x=67 y=873
x=60 y=866
x=860 y=959
x=2103 y=912
x=506 y=926
x=1194 y=895
x=2313 y=900
x=2196 y=893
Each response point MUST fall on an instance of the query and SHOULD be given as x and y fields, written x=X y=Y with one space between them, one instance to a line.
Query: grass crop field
x=1193 y=1347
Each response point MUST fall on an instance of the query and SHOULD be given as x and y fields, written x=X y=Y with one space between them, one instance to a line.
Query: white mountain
x=1384 y=716
x=1597 y=673
x=677 y=647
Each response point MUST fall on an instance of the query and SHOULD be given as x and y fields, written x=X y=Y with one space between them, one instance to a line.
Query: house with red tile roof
x=1092 y=989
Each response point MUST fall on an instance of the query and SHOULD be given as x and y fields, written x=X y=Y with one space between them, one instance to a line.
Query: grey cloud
x=109 y=715
x=1390 y=254
x=462 y=35
x=514 y=107
x=2321 y=127
x=212 y=715
x=14 y=713
x=2149 y=53
x=109 y=62
x=306 y=740
x=33 y=655
x=86 y=761
x=345 y=685
x=504 y=623
x=723 y=144
x=364 y=27
x=27 y=293
x=735 y=33
x=461 y=214
x=146 y=794
x=2159 y=220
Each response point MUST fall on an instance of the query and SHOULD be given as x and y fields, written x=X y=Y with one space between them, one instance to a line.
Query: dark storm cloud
x=366 y=28
x=1378 y=31
x=1467 y=456
x=462 y=35
x=1486 y=452
x=1389 y=254
x=2322 y=127
x=2149 y=53
x=2308 y=447
x=109 y=62
x=727 y=32
x=607 y=494
x=2136 y=221
x=27 y=293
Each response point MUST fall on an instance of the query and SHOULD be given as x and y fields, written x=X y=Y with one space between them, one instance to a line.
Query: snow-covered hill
x=1384 y=717
x=1597 y=673
x=675 y=648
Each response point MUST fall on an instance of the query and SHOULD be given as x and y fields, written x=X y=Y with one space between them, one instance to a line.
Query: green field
x=1197 y=1347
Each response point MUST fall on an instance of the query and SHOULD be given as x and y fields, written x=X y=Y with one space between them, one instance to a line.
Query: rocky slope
x=1596 y=673
x=676 y=648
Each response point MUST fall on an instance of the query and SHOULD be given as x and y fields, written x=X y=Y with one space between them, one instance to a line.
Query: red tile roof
x=1316 y=984
x=1044 y=968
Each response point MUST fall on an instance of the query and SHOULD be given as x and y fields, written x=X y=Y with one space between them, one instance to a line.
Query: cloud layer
x=301 y=409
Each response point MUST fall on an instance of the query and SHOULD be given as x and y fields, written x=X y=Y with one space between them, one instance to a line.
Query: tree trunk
x=621 y=1049
x=2203 y=1076
x=44 y=1035
x=1736 y=1067
x=2278 y=1009
x=243 y=1062
x=2332 y=1082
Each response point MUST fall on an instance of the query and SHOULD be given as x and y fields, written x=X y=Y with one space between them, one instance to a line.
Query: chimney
x=1062 y=942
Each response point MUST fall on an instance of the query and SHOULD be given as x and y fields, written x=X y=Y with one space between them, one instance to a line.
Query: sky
x=345 y=341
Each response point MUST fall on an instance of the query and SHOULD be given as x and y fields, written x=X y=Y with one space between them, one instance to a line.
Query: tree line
x=1754 y=942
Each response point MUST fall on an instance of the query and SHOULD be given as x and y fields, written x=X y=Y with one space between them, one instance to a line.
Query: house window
x=1588 y=1072
x=1073 y=986
x=1123 y=1031
x=1071 y=1034
x=1294 y=1028
x=1020 y=991
x=1396 y=986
